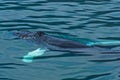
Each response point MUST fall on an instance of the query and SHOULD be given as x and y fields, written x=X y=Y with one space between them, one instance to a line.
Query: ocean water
x=96 y=20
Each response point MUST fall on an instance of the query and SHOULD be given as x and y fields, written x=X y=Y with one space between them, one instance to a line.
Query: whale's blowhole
x=40 y=33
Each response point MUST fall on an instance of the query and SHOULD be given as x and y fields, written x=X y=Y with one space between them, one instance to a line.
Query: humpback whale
x=47 y=42
x=41 y=38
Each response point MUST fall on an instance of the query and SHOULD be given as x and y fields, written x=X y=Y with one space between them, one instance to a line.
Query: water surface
x=94 y=20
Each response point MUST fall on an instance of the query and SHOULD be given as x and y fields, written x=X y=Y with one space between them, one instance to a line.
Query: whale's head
x=22 y=34
x=28 y=34
x=37 y=37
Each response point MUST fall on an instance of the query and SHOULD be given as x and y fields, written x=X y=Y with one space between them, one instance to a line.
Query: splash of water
x=29 y=57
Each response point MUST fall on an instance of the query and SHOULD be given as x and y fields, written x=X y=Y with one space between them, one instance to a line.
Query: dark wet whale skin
x=40 y=37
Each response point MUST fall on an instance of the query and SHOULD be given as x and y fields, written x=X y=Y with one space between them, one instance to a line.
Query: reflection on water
x=94 y=20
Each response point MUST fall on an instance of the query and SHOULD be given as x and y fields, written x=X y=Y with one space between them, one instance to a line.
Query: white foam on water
x=29 y=57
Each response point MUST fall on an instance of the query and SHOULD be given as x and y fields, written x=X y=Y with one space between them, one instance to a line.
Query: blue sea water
x=96 y=20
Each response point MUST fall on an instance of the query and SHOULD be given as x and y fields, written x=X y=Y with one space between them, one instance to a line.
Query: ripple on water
x=96 y=20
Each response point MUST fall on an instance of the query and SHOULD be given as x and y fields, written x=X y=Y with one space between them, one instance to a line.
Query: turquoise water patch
x=104 y=43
